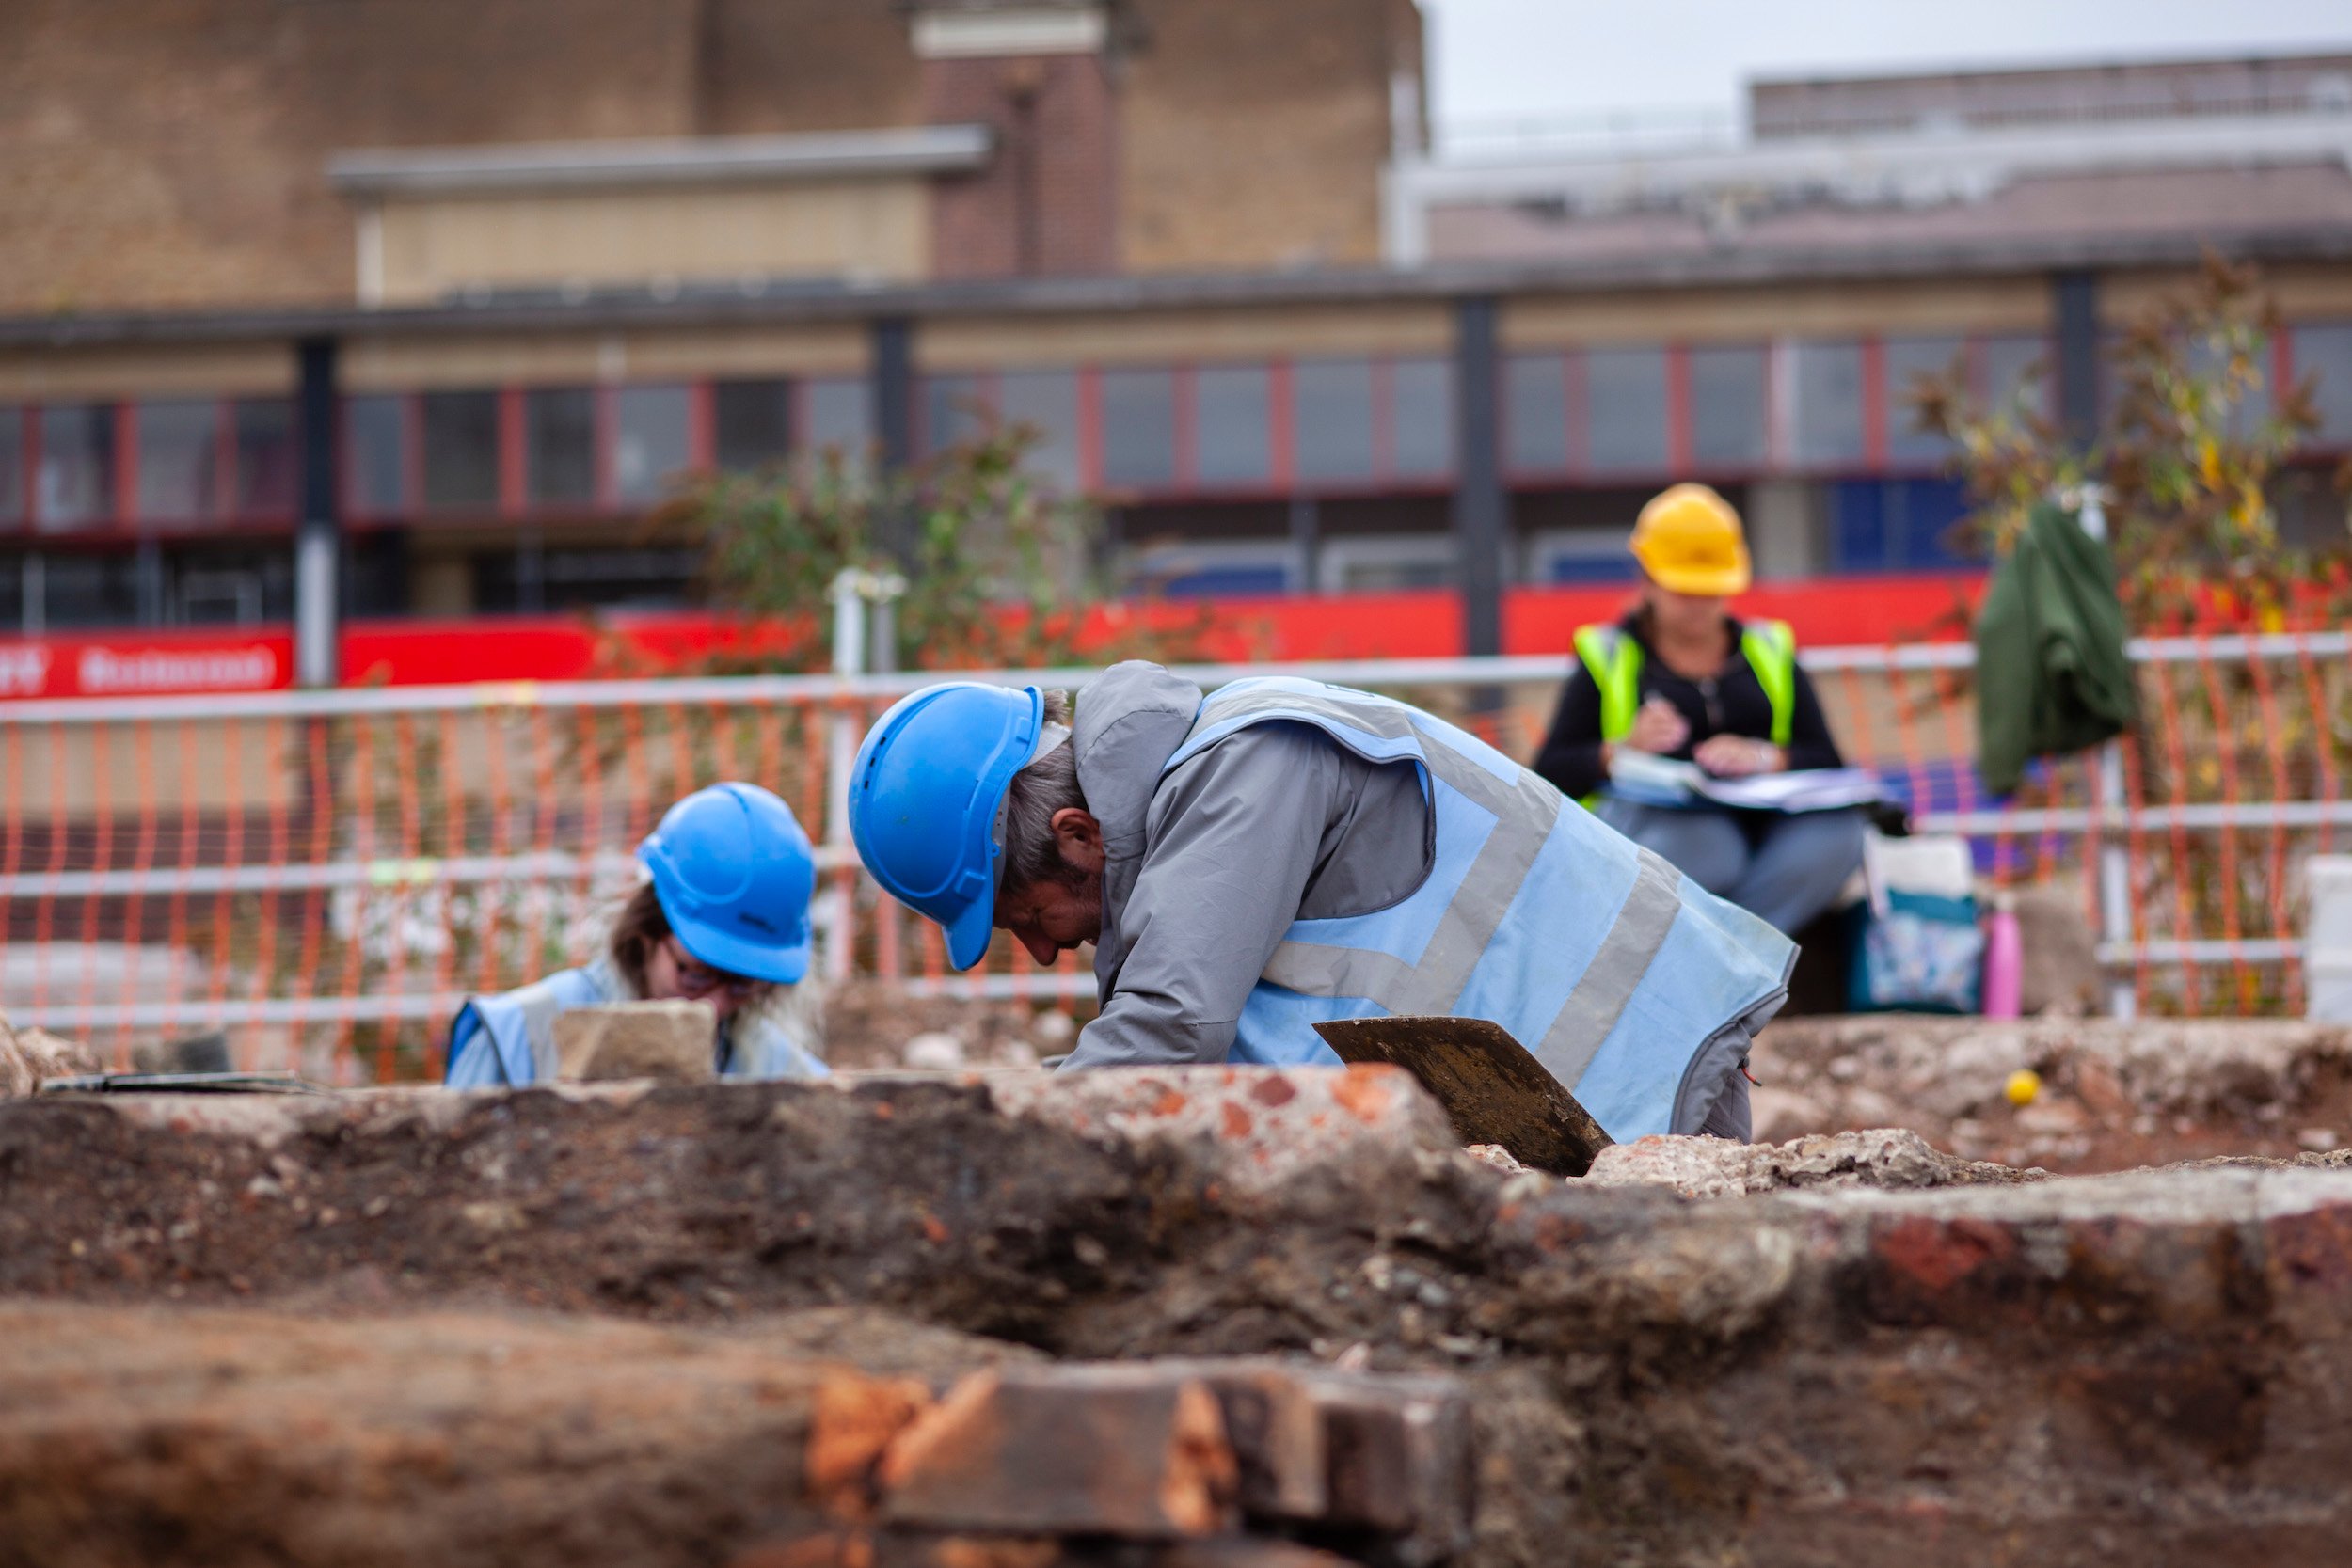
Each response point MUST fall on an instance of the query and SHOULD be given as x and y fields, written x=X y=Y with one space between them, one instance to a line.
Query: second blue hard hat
x=927 y=797
x=733 y=872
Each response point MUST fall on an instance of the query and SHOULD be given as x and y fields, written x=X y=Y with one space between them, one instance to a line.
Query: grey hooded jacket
x=1207 y=865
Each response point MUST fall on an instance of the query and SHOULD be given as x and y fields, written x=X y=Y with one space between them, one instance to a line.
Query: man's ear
x=1079 y=837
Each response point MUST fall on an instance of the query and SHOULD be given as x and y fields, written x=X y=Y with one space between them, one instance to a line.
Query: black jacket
x=1732 y=703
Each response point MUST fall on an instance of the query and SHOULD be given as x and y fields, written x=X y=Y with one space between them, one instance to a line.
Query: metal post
x=1478 y=498
x=2115 y=863
x=891 y=347
x=2077 y=302
x=1307 y=542
x=318 y=545
x=841 y=738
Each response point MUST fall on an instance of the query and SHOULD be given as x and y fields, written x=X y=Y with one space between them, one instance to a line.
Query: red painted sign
x=157 y=665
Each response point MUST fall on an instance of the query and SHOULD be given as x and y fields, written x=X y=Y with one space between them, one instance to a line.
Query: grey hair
x=1048 y=785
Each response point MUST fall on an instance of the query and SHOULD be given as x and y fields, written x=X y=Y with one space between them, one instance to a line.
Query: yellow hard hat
x=1688 y=539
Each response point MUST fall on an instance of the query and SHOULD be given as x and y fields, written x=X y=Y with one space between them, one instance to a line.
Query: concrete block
x=1135 y=1452
x=671 y=1042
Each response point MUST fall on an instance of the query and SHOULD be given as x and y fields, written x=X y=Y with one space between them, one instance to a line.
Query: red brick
x=1133 y=1451
x=853 y=1423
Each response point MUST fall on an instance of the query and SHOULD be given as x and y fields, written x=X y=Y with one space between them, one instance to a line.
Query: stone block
x=1264 y=1126
x=669 y=1042
x=1350 y=1451
x=1135 y=1452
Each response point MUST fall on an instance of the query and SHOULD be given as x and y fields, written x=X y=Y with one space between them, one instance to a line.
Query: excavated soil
x=585 y=1325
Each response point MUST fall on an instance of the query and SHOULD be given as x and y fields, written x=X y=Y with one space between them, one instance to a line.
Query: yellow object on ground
x=1689 y=540
x=2024 y=1086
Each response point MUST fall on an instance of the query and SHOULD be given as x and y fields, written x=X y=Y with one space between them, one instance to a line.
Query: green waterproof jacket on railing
x=2053 y=674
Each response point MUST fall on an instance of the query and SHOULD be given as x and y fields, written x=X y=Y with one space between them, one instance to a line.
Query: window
x=753 y=423
x=2014 y=368
x=2322 y=353
x=1233 y=423
x=1388 y=563
x=1207 y=571
x=378 y=455
x=650 y=440
x=1827 y=426
x=1423 y=408
x=179 y=460
x=1573 y=554
x=1727 y=414
x=954 y=410
x=461 y=449
x=1880 y=525
x=1536 y=413
x=1047 y=403
x=1625 y=388
x=1908 y=362
x=1138 y=427
x=89 y=589
x=11 y=466
x=76 y=482
x=1333 y=421
x=263 y=430
x=559 y=443
x=840 y=416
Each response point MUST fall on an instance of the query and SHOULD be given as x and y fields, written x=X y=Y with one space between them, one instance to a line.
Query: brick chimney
x=1039 y=76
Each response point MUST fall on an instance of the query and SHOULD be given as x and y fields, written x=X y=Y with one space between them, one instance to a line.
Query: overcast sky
x=1510 y=59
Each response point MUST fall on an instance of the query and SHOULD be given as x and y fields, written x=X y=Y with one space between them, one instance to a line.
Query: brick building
x=465 y=284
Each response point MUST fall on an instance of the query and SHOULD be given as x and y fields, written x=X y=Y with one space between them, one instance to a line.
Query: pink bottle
x=2004 y=962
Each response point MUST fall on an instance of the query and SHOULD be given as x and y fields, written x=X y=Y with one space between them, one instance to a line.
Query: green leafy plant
x=999 y=569
x=2189 y=457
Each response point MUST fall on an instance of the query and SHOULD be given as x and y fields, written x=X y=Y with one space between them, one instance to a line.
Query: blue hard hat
x=734 y=873
x=926 y=795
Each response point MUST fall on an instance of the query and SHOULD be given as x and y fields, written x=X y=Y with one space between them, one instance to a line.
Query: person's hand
x=1738 y=756
x=1659 y=728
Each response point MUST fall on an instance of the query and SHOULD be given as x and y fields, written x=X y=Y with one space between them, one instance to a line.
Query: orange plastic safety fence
x=2176 y=760
x=2275 y=873
x=2136 y=799
x=2226 y=751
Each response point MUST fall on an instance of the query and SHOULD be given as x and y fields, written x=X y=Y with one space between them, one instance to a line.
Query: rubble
x=1888 y=1157
x=28 y=1056
x=2111 y=1094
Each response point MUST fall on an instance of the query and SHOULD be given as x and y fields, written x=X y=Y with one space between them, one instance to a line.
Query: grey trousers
x=1787 y=869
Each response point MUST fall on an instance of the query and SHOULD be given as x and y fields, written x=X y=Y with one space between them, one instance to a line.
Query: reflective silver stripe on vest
x=1608 y=983
x=1526 y=813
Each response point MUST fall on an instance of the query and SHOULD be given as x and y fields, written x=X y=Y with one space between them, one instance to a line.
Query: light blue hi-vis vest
x=510 y=1039
x=1601 y=957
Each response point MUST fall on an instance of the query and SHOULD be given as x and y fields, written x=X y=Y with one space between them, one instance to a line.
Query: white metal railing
x=831 y=710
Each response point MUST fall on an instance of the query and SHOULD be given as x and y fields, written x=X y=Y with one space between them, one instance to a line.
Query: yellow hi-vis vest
x=1615 y=660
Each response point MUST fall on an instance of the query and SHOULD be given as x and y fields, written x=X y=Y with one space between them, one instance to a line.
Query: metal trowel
x=1492 y=1088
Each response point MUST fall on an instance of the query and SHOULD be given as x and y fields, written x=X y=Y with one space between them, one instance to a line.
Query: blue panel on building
x=1894 y=525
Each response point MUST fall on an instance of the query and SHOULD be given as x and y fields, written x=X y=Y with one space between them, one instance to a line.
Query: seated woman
x=1680 y=678
x=723 y=920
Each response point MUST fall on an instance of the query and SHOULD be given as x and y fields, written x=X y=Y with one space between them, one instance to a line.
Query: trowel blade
x=1492 y=1088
